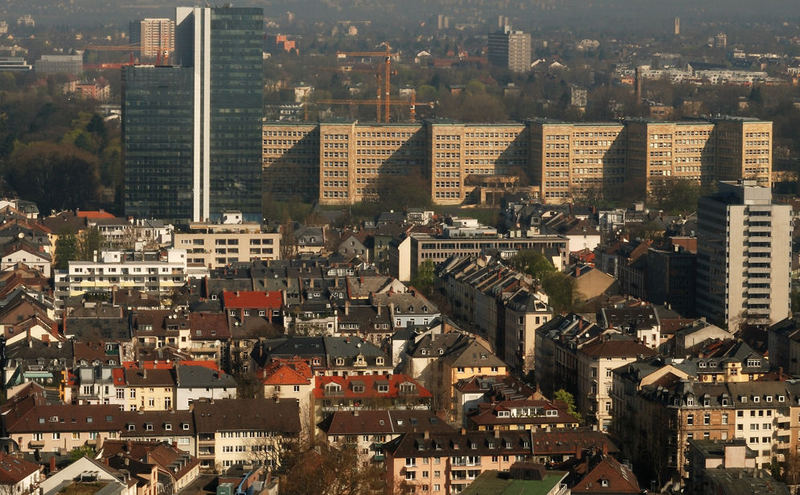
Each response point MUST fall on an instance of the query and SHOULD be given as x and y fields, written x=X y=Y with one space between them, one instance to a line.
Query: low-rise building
x=235 y=431
x=193 y=383
x=215 y=245
x=152 y=273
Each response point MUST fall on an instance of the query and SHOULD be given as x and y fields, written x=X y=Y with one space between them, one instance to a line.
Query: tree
x=55 y=176
x=568 y=398
x=66 y=250
x=83 y=451
x=532 y=262
x=90 y=243
x=560 y=290
x=425 y=277
x=326 y=470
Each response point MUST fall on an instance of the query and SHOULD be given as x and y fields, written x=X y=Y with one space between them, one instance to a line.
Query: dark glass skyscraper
x=222 y=50
x=157 y=129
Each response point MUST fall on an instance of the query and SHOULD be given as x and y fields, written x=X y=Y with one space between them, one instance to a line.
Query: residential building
x=153 y=273
x=173 y=427
x=176 y=468
x=784 y=346
x=19 y=476
x=670 y=279
x=398 y=391
x=34 y=425
x=217 y=245
x=193 y=383
x=367 y=431
x=155 y=36
x=448 y=462
x=234 y=431
x=217 y=120
x=71 y=477
x=743 y=256
x=596 y=362
x=521 y=414
x=149 y=389
x=510 y=50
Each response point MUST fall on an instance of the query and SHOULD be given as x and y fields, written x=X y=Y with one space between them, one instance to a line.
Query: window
x=725 y=418
x=56 y=435
x=690 y=419
x=706 y=419
x=297 y=388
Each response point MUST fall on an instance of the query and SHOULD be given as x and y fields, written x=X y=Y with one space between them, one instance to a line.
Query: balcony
x=36 y=444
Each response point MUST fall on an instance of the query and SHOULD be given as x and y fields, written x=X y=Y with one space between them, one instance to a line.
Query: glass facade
x=236 y=110
x=157 y=129
x=214 y=100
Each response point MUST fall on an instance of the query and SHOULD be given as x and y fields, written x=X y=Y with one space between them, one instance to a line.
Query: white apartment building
x=158 y=273
x=743 y=255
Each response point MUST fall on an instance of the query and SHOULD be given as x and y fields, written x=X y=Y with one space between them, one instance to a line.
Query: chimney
x=347 y=308
x=497 y=433
x=355 y=412
x=427 y=435
x=463 y=431
x=605 y=449
x=53 y=467
x=64 y=323
x=379 y=309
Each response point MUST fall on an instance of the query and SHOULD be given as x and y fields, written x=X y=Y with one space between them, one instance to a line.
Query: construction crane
x=412 y=104
x=387 y=68
x=369 y=70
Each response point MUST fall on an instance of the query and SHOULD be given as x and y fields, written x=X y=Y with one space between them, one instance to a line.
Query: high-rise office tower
x=743 y=255
x=222 y=50
x=510 y=49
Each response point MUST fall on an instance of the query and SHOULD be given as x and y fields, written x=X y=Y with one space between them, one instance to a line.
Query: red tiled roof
x=118 y=375
x=252 y=299
x=13 y=470
x=168 y=365
x=370 y=383
x=94 y=214
x=285 y=375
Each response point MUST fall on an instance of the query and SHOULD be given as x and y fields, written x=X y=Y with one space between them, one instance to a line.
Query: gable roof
x=608 y=476
x=252 y=299
x=247 y=414
x=13 y=469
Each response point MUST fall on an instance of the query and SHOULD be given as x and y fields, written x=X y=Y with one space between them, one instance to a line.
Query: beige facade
x=217 y=245
x=344 y=163
x=458 y=151
x=354 y=158
x=157 y=37
x=573 y=160
x=290 y=154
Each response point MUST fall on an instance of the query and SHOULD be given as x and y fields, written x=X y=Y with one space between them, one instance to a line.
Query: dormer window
x=756 y=398
x=503 y=414
x=383 y=388
x=604 y=483
x=701 y=364
x=781 y=398
x=768 y=398
x=167 y=427
x=379 y=361
x=690 y=401
x=407 y=388
x=339 y=361
x=551 y=412
x=185 y=426
x=131 y=427
x=753 y=363
x=315 y=361
x=148 y=426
